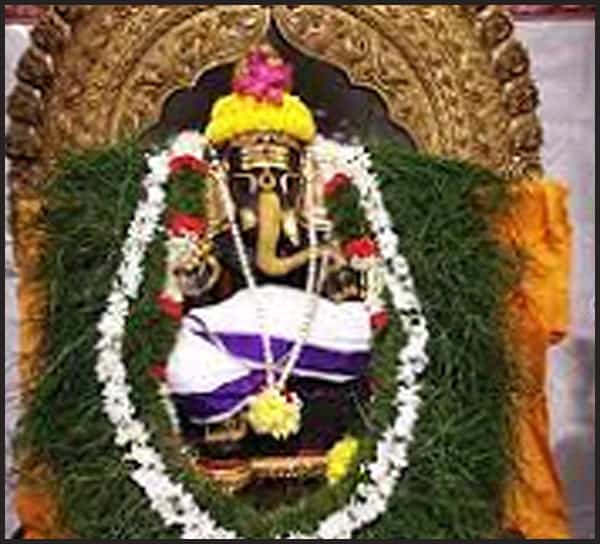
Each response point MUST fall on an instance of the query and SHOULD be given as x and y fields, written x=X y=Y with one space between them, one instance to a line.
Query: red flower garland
x=337 y=182
x=159 y=372
x=170 y=307
x=188 y=162
x=380 y=320
x=183 y=223
x=361 y=247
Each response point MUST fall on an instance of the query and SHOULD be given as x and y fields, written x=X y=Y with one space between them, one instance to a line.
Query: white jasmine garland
x=170 y=500
x=165 y=396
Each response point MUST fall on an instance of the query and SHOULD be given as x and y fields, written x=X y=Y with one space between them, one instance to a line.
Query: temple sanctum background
x=561 y=40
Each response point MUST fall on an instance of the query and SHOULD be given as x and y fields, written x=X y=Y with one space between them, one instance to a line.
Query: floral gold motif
x=446 y=73
x=496 y=28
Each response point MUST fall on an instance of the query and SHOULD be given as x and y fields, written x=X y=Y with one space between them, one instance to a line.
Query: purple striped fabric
x=230 y=398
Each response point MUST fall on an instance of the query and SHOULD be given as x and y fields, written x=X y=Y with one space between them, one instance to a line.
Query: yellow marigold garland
x=237 y=114
x=340 y=459
x=273 y=413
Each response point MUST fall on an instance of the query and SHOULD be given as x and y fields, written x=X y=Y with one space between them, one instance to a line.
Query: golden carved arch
x=452 y=76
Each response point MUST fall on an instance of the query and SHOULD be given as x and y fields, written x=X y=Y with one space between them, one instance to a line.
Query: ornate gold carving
x=35 y=68
x=194 y=40
x=521 y=96
x=23 y=141
x=511 y=60
x=448 y=74
x=496 y=27
x=475 y=9
x=265 y=150
x=51 y=33
x=527 y=134
x=71 y=14
x=296 y=467
x=231 y=477
x=25 y=105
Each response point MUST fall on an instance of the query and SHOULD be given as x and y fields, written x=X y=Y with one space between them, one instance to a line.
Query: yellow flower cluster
x=340 y=458
x=272 y=413
x=237 y=114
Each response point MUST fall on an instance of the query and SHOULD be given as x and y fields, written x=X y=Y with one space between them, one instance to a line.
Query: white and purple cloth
x=217 y=363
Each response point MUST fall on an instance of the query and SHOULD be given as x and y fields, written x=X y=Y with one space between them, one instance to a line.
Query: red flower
x=182 y=223
x=380 y=320
x=337 y=182
x=159 y=372
x=188 y=162
x=360 y=247
x=170 y=307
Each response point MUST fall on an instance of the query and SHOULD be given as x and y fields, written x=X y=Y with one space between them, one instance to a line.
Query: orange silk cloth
x=534 y=502
x=538 y=223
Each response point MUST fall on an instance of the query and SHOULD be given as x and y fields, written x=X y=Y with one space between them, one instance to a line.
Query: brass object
x=248 y=219
x=265 y=157
x=265 y=150
x=289 y=225
x=267 y=180
x=266 y=139
x=266 y=177
x=233 y=430
x=270 y=217
x=297 y=467
x=189 y=277
x=230 y=477
x=235 y=475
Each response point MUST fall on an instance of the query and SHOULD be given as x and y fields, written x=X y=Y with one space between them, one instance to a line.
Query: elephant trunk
x=269 y=231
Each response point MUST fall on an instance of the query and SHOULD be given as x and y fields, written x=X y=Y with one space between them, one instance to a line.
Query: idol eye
x=244 y=182
x=241 y=179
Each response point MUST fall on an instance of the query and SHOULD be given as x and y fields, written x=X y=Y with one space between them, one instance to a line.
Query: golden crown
x=265 y=150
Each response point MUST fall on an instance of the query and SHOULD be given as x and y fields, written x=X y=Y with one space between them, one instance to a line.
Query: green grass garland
x=460 y=457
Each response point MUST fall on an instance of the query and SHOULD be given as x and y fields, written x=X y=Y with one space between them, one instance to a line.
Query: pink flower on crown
x=264 y=77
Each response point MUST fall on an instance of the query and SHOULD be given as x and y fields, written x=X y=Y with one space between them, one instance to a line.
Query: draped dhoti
x=218 y=362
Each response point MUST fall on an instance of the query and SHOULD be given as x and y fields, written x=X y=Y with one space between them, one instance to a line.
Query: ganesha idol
x=275 y=337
